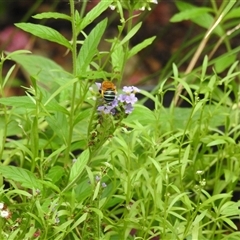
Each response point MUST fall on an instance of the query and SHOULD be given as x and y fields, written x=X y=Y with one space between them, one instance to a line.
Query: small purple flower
x=131 y=98
x=105 y=109
x=114 y=103
x=130 y=89
x=101 y=108
x=127 y=89
x=109 y=108
x=122 y=101
x=128 y=108
x=113 y=111
x=104 y=185
x=135 y=89
x=127 y=98
x=97 y=178
x=57 y=220
x=122 y=98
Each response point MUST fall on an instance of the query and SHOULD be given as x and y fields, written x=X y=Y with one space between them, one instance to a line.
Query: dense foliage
x=78 y=162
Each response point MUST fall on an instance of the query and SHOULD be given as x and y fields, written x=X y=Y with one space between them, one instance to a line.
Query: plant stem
x=74 y=71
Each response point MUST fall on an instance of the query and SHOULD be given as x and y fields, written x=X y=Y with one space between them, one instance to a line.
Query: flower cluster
x=4 y=211
x=136 y=5
x=112 y=109
x=147 y=5
x=122 y=102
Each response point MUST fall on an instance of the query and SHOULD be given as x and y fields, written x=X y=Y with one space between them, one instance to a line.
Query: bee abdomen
x=109 y=96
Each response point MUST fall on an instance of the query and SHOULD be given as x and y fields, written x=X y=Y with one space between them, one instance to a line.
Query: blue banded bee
x=108 y=91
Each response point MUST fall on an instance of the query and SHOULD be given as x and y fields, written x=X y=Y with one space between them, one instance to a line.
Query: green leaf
x=24 y=177
x=53 y=105
x=12 y=127
x=199 y=217
x=206 y=20
x=79 y=165
x=78 y=168
x=227 y=8
x=25 y=103
x=19 y=102
x=48 y=185
x=61 y=89
x=185 y=160
x=131 y=33
x=96 y=191
x=9 y=73
x=58 y=229
x=83 y=190
x=200 y=16
x=99 y=74
x=79 y=221
x=44 y=32
x=55 y=173
x=186 y=87
x=17 y=52
x=216 y=142
x=19 y=192
x=189 y=14
x=55 y=15
x=179 y=117
x=223 y=63
x=204 y=68
x=93 y=14
x=142 y=115
x=58 y=123
x=230 y=209
x=140 y=46
x=89 y=47
x=117 y=57
x=230 y=223
x=55 y=154
x=43 y=69
x=234 y=13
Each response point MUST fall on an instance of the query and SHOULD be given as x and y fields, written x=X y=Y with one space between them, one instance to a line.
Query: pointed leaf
x=93 y=14
x=200 y=16
x=24 y=177
x=21 y=101
x=79 y=165
x=117 y=57
x=131 y=33
x=55 y=173
x=140 y=46
x=43 y=69
x=189 y=14
x=230 y=223
x=89 y=47
x=79 y=221
x=44 y=32
x=77 y=169
x=50 y=185
x=55 y=15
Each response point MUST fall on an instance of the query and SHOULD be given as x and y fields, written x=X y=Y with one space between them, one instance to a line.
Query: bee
x=108 y=91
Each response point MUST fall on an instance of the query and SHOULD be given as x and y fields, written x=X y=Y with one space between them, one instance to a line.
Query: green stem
x=74 y=71
x=6 y=119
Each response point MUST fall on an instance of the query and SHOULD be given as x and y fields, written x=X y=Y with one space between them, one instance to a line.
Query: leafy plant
x=77 y=167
